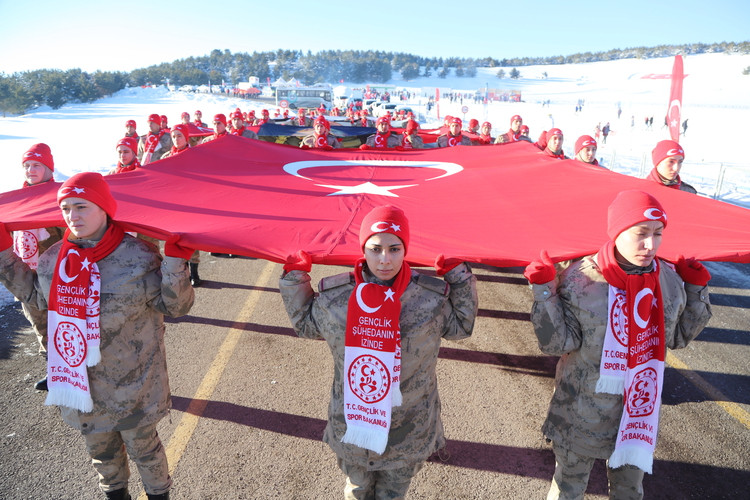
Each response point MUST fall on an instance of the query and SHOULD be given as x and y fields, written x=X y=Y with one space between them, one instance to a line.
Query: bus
x=304 y=97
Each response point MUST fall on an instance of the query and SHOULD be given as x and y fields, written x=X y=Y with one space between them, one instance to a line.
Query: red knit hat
x=154 y=118
x=524 y=128
x=489 y=125
x=455 y=119
x=473 y=123
x=665 y=149
x=553 y=131
x=164 y=120
x=514 y=118
x=236 y=114
x=583 y=142
x=630 y=208
x=219 y=117
x=322 y=119
x=411 y=126
x=383 y=119
x=185 y=114
x=89 y=186
x=41 y=153
x=128 y=142
x=198 y=112
x=183 y=129
x=385 y=219
x=130 y=123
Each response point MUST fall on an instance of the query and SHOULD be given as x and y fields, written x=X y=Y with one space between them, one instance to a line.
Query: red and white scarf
x=238 y=131
x=152 y=140
x=26 y=242
x=454 y=140
x=127 y=168
x=484 y=139
x=174 y=151
x=405 y=142
x=381 y=140
x=321 y=141
x=654 y=176
x=372 y=359
x=73 y=320
x=633 y=358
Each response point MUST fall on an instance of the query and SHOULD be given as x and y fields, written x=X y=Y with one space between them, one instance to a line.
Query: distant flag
x=675 y=99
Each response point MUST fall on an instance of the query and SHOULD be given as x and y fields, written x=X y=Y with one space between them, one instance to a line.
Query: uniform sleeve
x=176 y=295
x=464 y=301
x=298 y=296
x=20 y=280
x=694 y=317
x=556 y=327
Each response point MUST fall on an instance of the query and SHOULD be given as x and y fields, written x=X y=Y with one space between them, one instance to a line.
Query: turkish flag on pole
x=675 y=99
x=437 y=102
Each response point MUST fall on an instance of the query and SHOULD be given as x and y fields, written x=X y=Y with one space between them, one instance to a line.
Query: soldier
x=220 y=128
x=130 y=130
x=609 y=316
x=383 y=138
x=238 y=126
x=668 y=157
x=321 y=138
x=198 y=120
x=410 y=139
x=484 y=134
x=454 y=137
x=553 y=146
x=586 y=150
x=126 y=153
x=302 y=120
x=108 y=292
x=156 y=143
x=38 y=166
x=514 y=133
x=363 y=308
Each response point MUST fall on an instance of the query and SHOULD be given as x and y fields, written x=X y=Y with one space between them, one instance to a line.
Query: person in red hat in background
x=107 y=293
x=485 y=136
x=198 y=120
x=525 y=132
x=473 y=127
x=220 y=128
x=668 y=157
x=302 y=120
x=321 y=138
x=127 y=159
x=130 y=130
x=238 y=126
x=164 y=122
x=264 y=117
x=454 y=137
x=384 y=137
x=185 y=117
x=554 y=143
x=585 y=150
x=514 y=133
x=410 y=139
x=414 y=313
x=180 y=135
x=38 y=168
x=155 y=144
x=597 y=315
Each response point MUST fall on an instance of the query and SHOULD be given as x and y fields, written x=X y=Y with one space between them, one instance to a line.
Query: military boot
x=195 y=280
x=163 y=496
x=121 y=494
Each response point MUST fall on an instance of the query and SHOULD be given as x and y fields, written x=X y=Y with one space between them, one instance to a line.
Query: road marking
x=189 y=421
x=734 y=410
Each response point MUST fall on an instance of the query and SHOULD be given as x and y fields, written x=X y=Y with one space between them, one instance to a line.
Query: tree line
x=20 y=92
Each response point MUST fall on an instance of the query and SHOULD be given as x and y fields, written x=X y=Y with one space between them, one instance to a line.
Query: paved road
x=250 y=402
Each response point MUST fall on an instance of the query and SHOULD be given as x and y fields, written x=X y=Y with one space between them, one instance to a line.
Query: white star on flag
x=85 y=263
x=365 y=188
x=389 y=295
x=395 y=227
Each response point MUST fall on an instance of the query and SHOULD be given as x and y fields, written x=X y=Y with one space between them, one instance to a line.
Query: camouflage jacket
x=571 y=322
x=431 y=310
x=129 y=386
x=309 y=141
x=392 y=142
x=442 y=141
x=163 y=147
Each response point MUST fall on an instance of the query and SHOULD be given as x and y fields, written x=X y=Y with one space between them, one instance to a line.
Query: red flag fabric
x=496 y=205
x=675 y=99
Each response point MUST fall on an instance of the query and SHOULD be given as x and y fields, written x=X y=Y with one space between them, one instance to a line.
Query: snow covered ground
x=716 y=102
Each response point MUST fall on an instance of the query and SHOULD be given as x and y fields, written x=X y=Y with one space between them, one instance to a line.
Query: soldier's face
x=125 y=154
x=36 y=172
x=669 y=168
x=178 y=139
x=515 y=125
x=455 y=128
x=587 y=154
x=638 y=244
x=384 y=253
x=555 y=143
x=485 y=130
x=86 y=220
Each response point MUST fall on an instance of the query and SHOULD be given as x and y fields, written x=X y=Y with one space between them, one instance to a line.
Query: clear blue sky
x=130 y=34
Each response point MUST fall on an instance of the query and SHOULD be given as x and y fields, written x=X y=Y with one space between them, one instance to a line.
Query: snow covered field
x=716 y=102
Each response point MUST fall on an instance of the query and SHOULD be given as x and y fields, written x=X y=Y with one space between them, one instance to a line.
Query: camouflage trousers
x=363 y=484
x=38 y=320
x=572 y=476
x=109 y=453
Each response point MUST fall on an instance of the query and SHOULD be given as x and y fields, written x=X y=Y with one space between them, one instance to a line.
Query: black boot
x=121 y=494
x=163 y=496
x=195 y=280
x=41 y=385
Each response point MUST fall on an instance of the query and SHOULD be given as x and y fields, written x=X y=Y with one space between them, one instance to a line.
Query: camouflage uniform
x=417 y=142
x=570 y=320
x=392 y=142
x=163 y=147
x=442 y=141
x=309 y=140
x=431 y=310
x=37 y=318
x=129 y=386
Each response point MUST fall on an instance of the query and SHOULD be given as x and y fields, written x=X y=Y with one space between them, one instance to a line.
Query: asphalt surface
x=250 y=400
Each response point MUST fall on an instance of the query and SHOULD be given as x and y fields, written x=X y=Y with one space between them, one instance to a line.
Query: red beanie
x=185 y=114
x=128 y=142
x=164 y=120
x=41 y=153
x=322 y=119
x=183 y=129
x=455 y=119
x=198 y=112
x=665 y=149
x=383 y=119
x=514 y=118
x=130 y=123
x=236 y=114
x=154 y=118
x=411 y=126
x=583 y=142
x=385 y=219
x=553 y=131
x=219 y=117
x=524 y=128
x=489 y=125
x=89 y=186
x=473 y=123
x=630 y=208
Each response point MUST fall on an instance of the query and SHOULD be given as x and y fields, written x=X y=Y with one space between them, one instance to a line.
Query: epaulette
x=431 y=283
x=335 y=281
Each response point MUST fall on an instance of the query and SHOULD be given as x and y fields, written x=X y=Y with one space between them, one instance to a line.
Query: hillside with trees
x=20 y=92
